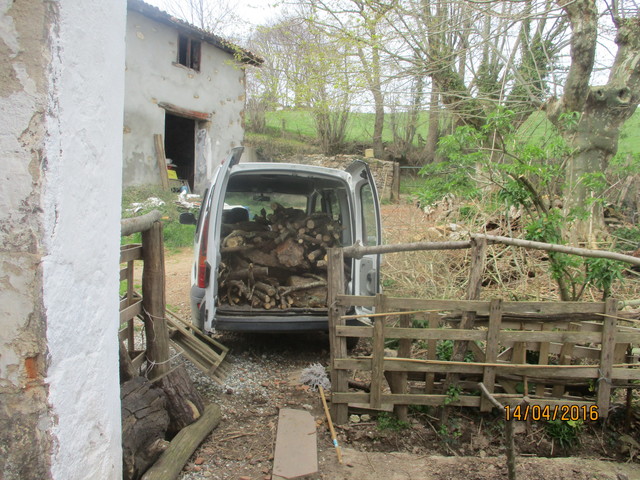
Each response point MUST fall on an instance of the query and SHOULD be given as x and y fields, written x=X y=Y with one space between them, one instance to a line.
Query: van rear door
x=214 y=217
x=368 y=229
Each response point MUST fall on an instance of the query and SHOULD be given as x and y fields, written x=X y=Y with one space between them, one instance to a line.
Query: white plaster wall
x=152 y=77
x=81 y=204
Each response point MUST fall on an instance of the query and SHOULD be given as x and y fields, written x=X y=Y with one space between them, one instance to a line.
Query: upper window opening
x=189 y=52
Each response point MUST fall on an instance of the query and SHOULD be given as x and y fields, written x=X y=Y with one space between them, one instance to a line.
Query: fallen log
x=174 y=458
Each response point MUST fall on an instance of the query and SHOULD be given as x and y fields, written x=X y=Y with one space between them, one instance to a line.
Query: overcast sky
x=252 y=12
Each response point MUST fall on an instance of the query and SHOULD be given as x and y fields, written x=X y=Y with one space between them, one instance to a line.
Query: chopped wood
x=266 y=253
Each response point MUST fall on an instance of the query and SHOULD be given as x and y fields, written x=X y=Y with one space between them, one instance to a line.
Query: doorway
x=179 y=145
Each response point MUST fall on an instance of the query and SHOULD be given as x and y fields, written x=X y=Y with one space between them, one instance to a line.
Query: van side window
x=369 y=230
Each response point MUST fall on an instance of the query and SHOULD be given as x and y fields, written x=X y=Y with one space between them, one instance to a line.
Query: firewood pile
x=278 y=260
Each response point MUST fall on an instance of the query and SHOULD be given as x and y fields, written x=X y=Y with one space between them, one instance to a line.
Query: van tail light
x=203 y=266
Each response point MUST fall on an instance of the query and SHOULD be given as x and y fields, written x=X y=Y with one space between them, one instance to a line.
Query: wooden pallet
x=203 y=351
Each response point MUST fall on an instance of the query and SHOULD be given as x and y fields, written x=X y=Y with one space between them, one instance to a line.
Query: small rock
x=197 y=468
x=622 y=476
x=482 y=454
x=244 y=477
x=199 y=461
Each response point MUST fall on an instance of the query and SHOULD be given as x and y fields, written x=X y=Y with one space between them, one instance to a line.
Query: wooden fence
x=552 y=353
x=151 y=305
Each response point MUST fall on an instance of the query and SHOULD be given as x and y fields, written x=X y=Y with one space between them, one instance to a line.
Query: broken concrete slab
x=296 y=452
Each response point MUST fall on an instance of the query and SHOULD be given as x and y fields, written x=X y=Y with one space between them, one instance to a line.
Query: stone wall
x=382 y=170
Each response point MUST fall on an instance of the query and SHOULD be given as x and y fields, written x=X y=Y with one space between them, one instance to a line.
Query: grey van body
x=348 y=196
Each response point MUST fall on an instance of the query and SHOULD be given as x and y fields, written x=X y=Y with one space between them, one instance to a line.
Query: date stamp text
x=551 y=412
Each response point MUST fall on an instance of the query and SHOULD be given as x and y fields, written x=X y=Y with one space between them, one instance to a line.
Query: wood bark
x=174 y=458
x=184 y=403
x=286 y=268
x=144 y=423
x=153 y=301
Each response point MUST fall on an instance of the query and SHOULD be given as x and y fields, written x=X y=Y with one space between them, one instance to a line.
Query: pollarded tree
x=599 y=112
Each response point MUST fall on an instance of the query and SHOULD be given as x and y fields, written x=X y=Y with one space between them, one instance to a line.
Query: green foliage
x=565 y=432
x=453 y=394
x=602 y=272
x=387 y=421
x=444 y=351
x=630 y=237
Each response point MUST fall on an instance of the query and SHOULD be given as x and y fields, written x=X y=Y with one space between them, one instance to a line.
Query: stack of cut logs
x=277 y=260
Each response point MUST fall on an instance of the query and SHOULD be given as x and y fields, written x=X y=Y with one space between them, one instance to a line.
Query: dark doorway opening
x=180 y=145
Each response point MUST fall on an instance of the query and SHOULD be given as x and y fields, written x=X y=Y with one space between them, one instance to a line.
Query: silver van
x=261 y=240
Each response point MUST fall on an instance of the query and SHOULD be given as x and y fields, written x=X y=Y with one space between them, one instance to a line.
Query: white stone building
x=186 y=85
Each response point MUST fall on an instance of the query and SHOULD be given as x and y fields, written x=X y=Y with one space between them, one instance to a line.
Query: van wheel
x=352 y=342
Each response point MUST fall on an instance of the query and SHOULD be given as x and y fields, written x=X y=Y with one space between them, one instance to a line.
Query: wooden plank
x=131 y=311
x=130 y=252
x=480 y=307
x=543 y=358
x=565 y=359
x=606 y=360
x=416 y=333
x=491 y=352
x=377 y=358
x=296 y=450
x=185 y=112
x=398 y=382
x=161 y=160
x=432 y=347
x=338 y=345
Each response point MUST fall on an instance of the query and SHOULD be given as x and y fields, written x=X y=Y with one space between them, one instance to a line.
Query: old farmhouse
x=185 y=84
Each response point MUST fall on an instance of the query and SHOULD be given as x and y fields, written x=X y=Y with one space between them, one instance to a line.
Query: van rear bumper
x=271 y=323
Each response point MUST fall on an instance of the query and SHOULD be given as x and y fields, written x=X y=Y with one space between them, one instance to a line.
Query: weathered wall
x=153 y=77
x=61 y=95
x=25 y=445
x=381 y=170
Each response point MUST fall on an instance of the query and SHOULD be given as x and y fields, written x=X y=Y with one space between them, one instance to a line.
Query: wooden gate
x=550 y=354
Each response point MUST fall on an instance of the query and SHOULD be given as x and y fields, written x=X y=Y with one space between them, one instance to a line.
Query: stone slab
x=296 y=452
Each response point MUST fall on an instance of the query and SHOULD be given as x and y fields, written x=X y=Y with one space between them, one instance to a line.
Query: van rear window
x=255 y=202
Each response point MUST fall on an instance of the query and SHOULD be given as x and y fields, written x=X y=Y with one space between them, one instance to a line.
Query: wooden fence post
x=398 y=382
x=338 y=345
x=377 y=356
x=478 y=256
x=491 y=351
x=153 y=301
x=609 y=328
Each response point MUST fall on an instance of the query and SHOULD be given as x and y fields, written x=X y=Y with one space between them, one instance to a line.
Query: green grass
x=175 y=235
x=297 y=126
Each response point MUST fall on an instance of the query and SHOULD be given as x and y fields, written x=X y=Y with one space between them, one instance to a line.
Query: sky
x=252 y=13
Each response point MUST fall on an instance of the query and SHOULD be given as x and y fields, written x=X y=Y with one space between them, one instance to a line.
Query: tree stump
x=144 y=423
x=184 y=403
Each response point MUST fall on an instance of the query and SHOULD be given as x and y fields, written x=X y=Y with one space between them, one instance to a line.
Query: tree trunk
x=184 y=403
x=434 y=128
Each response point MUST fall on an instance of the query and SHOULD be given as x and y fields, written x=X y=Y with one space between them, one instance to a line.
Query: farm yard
x=264 y=376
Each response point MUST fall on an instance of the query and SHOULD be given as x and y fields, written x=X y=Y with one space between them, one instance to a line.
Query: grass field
x=298 y=128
